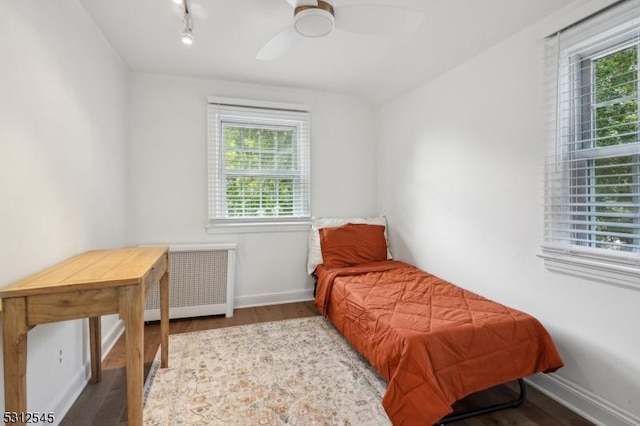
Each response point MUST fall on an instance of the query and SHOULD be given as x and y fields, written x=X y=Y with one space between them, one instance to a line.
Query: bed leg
x=490 y=409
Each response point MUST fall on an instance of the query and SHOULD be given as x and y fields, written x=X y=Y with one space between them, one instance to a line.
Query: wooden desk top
x=90 y=270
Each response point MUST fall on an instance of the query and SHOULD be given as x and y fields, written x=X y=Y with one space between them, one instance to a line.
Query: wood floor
x=104 y=403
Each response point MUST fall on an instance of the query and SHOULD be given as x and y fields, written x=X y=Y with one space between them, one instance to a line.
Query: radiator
x=201 y=281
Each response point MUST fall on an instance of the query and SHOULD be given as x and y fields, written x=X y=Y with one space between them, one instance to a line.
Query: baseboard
x=190 y=311
x=110 y=339
x=582 y=401
x=273 y=298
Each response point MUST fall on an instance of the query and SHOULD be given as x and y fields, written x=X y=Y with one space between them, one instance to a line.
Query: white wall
x=168 y=175
x=62 y=169
x=461 y=181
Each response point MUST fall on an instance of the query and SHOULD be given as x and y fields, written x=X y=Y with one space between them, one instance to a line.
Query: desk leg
x=95 y=347
x=131 y=307
x=14 y=333
x=164 y=320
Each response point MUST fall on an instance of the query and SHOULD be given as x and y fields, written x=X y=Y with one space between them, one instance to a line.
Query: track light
x=187 y=36
x=187 y=33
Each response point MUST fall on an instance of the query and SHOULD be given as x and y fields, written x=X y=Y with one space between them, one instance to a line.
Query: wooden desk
x=89 y=285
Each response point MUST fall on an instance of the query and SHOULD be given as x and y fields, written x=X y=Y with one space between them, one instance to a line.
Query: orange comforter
x=433 y=342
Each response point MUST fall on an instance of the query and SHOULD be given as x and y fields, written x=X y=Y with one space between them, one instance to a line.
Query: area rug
x=294 y=372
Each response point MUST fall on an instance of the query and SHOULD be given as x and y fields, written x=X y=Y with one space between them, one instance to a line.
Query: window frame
x=585 y=76
x=224 y=112
x=607 y=35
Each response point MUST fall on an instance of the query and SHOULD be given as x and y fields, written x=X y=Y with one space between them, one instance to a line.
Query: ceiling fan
x=319 y=18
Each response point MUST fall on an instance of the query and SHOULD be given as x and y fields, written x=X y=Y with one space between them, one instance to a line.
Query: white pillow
x=314 y=257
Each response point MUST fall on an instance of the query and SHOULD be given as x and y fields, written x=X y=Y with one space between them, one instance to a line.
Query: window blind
x=592 y=187
x=259 y=163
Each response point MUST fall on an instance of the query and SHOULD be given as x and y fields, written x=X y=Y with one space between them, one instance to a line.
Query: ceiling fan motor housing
x=314 y=21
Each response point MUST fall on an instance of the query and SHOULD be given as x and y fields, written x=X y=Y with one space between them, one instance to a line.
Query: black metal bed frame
x=454 y=417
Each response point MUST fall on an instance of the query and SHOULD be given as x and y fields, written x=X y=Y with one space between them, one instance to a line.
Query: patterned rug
x=294 y=372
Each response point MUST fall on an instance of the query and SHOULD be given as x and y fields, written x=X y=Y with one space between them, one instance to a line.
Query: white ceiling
x=229 y=33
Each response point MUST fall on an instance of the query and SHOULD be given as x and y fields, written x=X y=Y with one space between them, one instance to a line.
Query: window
x=592 y=206
x=258 y=163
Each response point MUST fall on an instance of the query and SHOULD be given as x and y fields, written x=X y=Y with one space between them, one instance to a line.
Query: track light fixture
x=187 y=32
x=187 y=36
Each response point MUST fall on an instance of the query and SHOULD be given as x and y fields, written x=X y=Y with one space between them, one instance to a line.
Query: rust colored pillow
x=352 y=244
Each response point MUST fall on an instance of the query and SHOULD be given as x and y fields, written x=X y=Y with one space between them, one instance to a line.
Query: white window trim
x=258 y=103
x=250 y=228
x=231 y=226
x=593 y=264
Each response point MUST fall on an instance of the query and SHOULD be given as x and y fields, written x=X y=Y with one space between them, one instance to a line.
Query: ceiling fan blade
x=278 y=45
x=296 y=3
x=377 y=19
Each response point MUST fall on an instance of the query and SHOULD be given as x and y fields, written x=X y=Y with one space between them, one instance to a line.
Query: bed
x=433 y=342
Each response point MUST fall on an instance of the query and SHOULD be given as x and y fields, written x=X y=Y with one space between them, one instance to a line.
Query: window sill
x=622 y=271
x=245 y=228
